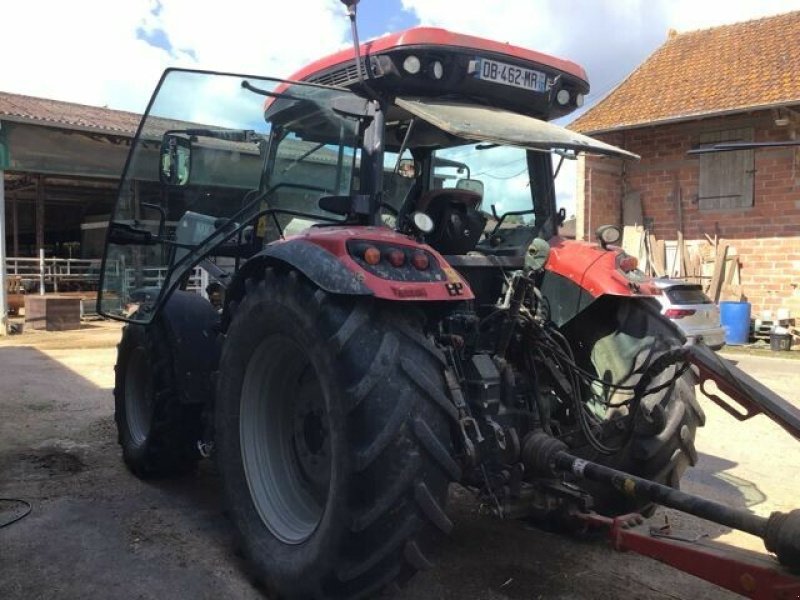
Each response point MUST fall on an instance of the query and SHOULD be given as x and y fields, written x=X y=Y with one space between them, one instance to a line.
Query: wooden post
x=715 y=287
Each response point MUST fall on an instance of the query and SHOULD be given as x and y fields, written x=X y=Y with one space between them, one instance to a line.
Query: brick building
x=737 y=82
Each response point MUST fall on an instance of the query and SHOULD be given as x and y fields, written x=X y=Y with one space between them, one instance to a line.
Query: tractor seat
x=458 y=224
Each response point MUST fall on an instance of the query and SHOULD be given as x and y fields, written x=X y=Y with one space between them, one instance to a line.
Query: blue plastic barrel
x=735 y=318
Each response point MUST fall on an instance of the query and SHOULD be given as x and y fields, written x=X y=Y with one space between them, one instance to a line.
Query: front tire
x=334 y=452
x=612 y=336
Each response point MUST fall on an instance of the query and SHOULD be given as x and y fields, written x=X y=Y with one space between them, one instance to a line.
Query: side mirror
x=175 y=164
x=608 y=235
x=471 y=185
x=124 y=234
x=406 y=168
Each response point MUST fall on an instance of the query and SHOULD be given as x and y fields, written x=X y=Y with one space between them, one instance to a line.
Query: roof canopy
x=497 y=126
x=732 y=68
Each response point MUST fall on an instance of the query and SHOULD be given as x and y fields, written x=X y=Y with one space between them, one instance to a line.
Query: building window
x=726 y=178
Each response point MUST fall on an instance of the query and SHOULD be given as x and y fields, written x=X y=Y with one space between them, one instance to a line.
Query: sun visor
x=494 y=125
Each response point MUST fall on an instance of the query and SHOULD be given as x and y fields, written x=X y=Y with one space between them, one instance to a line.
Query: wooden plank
x=731 y=262
x=697 y=265
x=658 y=257
x=632 y=239
x=633 y=243
x=719 y=270
x=681 y=255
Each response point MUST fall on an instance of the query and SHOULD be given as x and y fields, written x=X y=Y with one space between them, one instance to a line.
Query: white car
x=692 y=311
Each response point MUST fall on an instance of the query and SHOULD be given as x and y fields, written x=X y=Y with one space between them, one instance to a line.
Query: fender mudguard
x=192 y=327
x=320 y=266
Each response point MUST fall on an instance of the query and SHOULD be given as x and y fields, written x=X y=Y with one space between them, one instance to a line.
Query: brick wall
x=766 y=235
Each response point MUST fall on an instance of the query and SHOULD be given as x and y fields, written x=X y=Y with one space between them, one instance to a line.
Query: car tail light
x=420 y=261
x=678 y=313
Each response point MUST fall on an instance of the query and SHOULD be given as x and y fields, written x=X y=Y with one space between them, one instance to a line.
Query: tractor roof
x=433 y=36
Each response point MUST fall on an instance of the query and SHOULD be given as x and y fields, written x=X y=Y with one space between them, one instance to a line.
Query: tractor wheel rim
x=284 y=434
x=138 y=396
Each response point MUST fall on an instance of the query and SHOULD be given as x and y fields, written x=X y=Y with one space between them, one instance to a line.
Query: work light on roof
x=412 y=64
x=579 y=100
x=562 y=97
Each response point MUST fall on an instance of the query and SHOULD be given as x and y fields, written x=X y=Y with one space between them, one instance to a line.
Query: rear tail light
x=372 y=256
x=678 y=313
x=396 y=261
x=420 y=261
x=396 y=257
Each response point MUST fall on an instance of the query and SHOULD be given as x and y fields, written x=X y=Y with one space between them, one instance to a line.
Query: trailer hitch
x=780 y=532
x=753 y=397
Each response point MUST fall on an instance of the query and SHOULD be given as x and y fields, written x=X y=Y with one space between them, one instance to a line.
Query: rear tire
x=334 y=452
x=157 y=434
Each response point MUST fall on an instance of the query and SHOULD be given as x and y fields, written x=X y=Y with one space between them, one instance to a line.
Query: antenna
x=351 y=12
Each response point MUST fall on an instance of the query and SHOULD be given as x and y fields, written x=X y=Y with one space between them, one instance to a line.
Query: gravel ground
x=97 y=532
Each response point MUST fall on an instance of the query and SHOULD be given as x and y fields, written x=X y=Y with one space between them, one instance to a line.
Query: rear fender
x=578 y=273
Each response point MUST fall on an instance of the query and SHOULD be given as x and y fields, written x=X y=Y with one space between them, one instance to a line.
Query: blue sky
x=374 y=19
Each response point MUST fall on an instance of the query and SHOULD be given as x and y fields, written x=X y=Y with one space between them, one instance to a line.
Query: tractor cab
x=224 y=165
x=466 y=135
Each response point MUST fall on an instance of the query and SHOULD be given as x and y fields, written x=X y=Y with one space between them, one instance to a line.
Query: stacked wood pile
x=711 y=262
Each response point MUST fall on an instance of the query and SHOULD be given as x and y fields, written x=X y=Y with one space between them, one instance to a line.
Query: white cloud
x=88 y=51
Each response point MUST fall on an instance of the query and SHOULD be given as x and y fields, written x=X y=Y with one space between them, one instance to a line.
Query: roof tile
x=699 y=73
x=68 y=114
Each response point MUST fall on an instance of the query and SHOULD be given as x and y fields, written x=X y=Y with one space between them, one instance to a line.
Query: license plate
x=499 y=72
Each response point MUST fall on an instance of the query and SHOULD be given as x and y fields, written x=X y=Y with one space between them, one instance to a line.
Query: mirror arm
x=404 y=144
x=162 y=220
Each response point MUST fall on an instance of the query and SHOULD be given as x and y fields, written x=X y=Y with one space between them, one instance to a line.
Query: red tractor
x=349 y=289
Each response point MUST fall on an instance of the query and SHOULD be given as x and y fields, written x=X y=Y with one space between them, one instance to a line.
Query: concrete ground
x=95 y=531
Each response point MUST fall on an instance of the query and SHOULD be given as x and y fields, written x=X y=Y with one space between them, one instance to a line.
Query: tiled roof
x=67 y=114
x=719 y=70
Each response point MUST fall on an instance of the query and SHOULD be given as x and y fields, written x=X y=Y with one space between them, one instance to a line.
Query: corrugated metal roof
x=725 y=69
x=67 y=114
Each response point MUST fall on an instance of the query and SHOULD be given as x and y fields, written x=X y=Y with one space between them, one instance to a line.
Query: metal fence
x=60 y=275
x=54 y=274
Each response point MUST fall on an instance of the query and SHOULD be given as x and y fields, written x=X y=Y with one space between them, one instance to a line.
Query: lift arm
x=754 y=397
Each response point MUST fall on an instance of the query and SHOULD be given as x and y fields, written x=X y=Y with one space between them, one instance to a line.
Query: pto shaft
x=780 y=532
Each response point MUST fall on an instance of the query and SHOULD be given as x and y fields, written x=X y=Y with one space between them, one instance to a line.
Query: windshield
x=498 y=173
x=214 y=154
